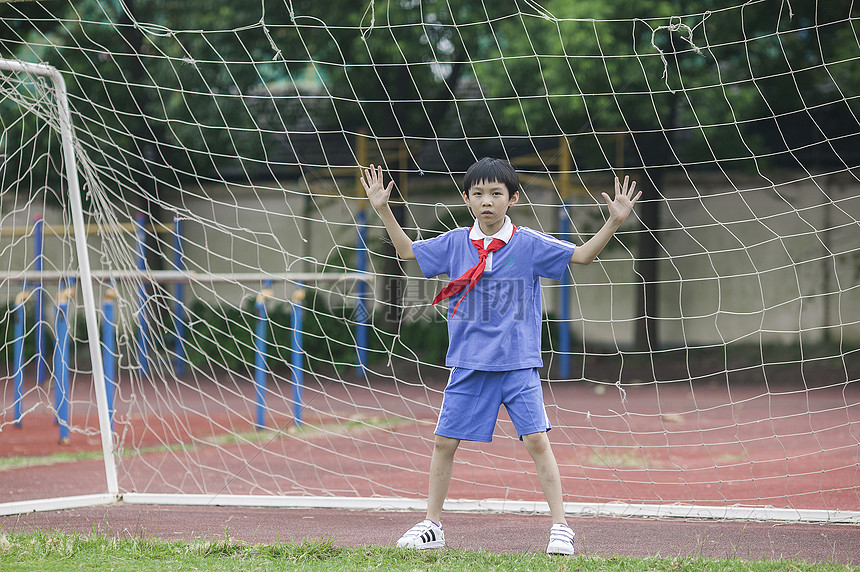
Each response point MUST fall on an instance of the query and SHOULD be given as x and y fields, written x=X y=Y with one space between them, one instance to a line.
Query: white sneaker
x=425 y=534
x=560 y=539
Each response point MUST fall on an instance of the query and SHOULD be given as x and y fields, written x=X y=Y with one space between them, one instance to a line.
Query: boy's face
x=489 y=201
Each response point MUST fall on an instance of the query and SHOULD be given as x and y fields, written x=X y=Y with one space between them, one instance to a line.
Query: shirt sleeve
x=434 y=254
x=551 y=256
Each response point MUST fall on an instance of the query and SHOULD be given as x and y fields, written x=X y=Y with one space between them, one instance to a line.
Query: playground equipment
x=109 y=323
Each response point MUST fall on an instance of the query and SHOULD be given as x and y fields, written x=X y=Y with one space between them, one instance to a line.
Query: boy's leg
x=538 y=446
x=560 y=535
x=441 y=467
x=429 y=533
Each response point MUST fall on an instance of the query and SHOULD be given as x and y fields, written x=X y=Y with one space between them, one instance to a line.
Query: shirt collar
x=504 y=234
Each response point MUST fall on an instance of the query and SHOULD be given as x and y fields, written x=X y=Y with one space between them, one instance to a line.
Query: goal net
x=213 y=314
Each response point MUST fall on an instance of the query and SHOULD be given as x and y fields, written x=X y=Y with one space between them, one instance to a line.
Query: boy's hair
x=490 y=169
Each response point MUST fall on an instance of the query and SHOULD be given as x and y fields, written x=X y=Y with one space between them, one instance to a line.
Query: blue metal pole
x=361 y=314
x=179 y=304
x=142 y=327
x=109 y=350
x=18 y=358
x=39 y=314
x=61 y=363
x=260 y=349
x=564 y=302
x=297 y=354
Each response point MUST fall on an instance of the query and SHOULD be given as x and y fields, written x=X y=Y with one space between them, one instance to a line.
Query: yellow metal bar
x=361 y=153
x=67 y=229
x=619 y=150
x=565 y=167
x=403 y=164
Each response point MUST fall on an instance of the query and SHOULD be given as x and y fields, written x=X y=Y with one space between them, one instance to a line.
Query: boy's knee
x=446 y=444
x=536 y=443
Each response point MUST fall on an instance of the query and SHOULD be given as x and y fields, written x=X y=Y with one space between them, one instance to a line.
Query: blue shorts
x=472 y=399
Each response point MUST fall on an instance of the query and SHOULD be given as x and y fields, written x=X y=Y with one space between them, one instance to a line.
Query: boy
x=493 y=327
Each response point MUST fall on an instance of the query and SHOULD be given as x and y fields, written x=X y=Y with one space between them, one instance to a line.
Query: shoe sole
x=561 y=551
x=425 y=546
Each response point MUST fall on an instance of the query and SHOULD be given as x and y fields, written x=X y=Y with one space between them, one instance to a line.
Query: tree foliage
x=184 y=87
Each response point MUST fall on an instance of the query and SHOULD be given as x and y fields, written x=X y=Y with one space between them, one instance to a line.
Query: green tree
x=695 y=85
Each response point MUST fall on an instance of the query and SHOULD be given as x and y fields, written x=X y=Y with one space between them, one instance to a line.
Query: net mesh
x=262 y=336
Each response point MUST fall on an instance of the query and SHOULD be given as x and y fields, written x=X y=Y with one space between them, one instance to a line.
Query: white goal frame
x=86 y=280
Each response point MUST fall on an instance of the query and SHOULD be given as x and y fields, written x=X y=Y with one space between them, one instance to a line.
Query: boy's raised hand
x=377 y=193
x=621 y=207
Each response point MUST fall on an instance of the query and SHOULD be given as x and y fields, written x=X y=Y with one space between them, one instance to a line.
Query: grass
x=620 y=458
x=20 y=462
x=339 y=427
x=347 y=427
x=51 y=551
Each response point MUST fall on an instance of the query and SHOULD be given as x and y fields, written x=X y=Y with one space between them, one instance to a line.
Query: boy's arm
x=619 y=209
x=378 y=195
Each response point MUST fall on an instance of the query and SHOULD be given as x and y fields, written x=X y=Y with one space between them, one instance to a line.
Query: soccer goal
x=201 y=308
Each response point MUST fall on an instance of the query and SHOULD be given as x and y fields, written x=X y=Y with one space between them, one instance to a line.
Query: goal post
x=66 y=129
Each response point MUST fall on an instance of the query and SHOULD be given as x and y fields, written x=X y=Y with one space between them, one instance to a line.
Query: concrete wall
x=742 y=259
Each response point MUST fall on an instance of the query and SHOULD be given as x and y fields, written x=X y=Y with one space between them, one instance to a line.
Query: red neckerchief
x=471 y=276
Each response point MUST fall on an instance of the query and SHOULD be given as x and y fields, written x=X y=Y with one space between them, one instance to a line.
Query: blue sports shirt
x=498 y=324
